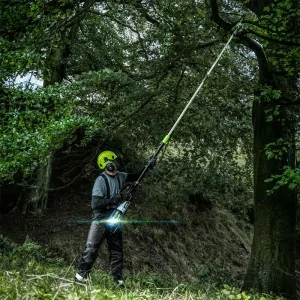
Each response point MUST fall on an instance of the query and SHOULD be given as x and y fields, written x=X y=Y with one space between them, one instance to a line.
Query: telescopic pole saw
x=120 y=211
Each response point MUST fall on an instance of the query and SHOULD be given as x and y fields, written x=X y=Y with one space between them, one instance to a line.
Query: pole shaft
x=201 y=85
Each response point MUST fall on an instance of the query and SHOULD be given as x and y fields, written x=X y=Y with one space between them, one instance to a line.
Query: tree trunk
x=36 y=195
x=272 y=260
x=273 y=253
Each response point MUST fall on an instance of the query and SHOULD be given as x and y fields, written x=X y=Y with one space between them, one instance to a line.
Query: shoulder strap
x=119 y=183
x=107 y=186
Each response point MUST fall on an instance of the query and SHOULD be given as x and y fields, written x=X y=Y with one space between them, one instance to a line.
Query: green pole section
x=166 y=139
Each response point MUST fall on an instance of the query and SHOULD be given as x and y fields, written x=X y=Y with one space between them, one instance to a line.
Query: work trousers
x=97 y=234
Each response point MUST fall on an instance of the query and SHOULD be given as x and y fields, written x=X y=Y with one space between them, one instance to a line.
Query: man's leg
x=94 y=240
x=115 y=247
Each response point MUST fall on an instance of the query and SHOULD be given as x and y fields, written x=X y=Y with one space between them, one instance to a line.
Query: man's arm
x=99 y=202
x=134 y=176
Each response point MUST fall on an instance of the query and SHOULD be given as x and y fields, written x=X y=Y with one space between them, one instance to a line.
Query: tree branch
x=138 y=5
x=256 y=24
x=270 y=39
x=215 y=16
x=177 y=85
x=246 y=41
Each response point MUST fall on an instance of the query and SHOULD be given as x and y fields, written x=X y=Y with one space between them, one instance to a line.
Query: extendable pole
x=168 y=136
x=122 y=208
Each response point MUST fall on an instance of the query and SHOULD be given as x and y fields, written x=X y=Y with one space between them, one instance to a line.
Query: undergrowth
x=30 y=272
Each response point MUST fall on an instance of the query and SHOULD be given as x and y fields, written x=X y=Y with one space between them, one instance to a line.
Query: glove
x=152 y=162
x=116 y=199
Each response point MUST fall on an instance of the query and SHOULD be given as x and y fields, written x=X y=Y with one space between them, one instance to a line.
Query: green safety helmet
x=104 y=158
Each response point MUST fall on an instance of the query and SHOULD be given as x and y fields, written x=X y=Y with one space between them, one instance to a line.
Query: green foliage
x=277 y=149
x=290 y=178
x=5 y=245
x=216 y=179
x=278 y=22
x=18 y=61
x=134 y=93
x=34 y=124
x=232 y=293
x=268 y=94
x=28 y=256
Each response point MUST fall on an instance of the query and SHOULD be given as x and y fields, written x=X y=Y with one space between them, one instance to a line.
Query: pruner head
x=238 y=28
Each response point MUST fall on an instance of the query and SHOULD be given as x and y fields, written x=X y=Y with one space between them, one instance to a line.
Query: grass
x=29 y=272
x=15 y=285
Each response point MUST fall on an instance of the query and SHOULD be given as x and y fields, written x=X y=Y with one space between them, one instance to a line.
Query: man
x=105 y=199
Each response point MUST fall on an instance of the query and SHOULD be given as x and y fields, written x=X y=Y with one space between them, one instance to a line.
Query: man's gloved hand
x=152 y=163
x=116 y=199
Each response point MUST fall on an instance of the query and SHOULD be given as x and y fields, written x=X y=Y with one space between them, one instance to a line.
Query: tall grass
x=29 y=272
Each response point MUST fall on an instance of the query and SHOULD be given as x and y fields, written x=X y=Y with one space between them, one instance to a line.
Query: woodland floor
x=209 y=247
